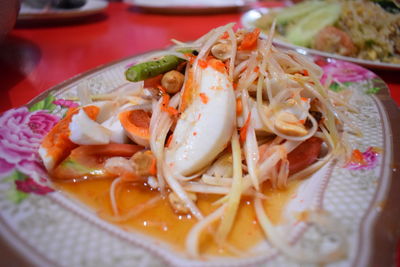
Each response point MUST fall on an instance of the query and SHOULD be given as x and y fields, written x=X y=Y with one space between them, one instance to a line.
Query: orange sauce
x=161 y=222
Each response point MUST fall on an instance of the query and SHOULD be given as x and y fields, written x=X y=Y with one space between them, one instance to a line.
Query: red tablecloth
x=34 y=58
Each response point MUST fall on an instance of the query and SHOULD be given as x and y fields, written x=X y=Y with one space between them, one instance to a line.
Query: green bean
x=188 y=51
x=151 y=69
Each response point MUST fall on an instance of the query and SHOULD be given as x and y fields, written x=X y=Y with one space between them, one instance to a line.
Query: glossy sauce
x=161 y=222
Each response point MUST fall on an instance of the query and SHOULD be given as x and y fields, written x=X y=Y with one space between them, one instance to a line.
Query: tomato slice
x=87 y=161
x=304 y=155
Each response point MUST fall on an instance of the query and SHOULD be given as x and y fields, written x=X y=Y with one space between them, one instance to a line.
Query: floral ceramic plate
x=48 y=227
x=250 y=17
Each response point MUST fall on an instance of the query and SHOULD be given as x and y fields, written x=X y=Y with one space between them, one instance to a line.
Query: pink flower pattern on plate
x=369 y=160
x=21 y=133
x=341 y=71
x=65 y=103
x=30 y=186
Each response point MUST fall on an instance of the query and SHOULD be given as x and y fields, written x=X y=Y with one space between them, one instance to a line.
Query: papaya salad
x=222 y=116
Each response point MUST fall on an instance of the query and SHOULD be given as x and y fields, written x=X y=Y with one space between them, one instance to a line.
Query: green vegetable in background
x=298 y=11
x=151 y=69
x=306 y=28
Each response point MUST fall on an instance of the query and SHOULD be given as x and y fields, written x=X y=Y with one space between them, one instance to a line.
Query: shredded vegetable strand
x=217 y=33
x=178 y=189
x=312 y=168
x=113 y=199
x=232 y=57
x=192 y=239
x=159 y=127
x=220 y=181
x=84 y=93
x=235 y=192
x=250 y=145
x=134 y=212
x=154 y=145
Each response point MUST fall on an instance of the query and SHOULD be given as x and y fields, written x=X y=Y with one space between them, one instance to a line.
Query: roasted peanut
x=143 y=163
x=221 y=51
x=288 y=124
x=172 y=81
x=178 y=204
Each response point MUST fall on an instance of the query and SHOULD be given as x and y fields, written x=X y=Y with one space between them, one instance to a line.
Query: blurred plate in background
x=189 y=7
x=91 y=7
x=248 y=21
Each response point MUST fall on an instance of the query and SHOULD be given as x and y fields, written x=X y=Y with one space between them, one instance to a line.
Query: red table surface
x=34 y=58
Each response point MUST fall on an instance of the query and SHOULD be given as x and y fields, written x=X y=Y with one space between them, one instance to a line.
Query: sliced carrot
x=243 y=130
x=250 y=40
x=204 y=98
x=153 y=167
x=225 y=35
x=216 y=64
x=165 y=102
x=191 y=57
x=57 y=143
x=239 y=107
x=172 y=111
x=165 y=98
x=235 y=85
x=202 y=64
x=357 y=157
x=227 y=64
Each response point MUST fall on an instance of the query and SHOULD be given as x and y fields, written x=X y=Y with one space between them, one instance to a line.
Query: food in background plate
x=360 y=29
x=46 y=4
x=204 y=132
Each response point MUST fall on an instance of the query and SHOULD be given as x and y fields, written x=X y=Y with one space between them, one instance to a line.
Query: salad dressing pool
x=160 y=221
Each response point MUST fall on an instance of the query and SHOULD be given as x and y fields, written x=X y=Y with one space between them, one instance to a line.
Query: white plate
x=189 y=7
x=248 y=19
x=54 y=230
x=91 y=7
